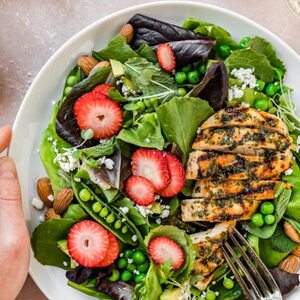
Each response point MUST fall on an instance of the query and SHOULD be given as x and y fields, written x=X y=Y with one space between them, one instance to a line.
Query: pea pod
x=88 y=206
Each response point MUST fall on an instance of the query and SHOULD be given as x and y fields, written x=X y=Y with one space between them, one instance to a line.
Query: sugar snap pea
x=102 y=216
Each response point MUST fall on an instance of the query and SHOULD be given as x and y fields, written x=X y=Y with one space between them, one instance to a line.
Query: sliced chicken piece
x=216 y=165
x=241 y=116
x=209 y=264
x=248 y=189
x=210 y=240
x=209 y=210
x=241 y=140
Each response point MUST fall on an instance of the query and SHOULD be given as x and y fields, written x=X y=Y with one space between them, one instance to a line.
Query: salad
x=160 y=144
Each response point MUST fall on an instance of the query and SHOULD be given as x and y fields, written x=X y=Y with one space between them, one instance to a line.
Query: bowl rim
x=134 y=8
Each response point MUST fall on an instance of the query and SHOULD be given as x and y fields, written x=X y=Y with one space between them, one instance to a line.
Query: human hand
x=14 y=238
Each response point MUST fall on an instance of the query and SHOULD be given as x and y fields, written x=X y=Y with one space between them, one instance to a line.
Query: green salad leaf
x=180 y=237
x=218 y=33
x=261 y=46
x=150 y=79
x=148 y=289
x=266 y=231
x=75 y=212
x=180 y=118
x=116 y=49
x=44 y=242
x=280 y=242
x=247 y=58
x=145 y=132
x=147 y=52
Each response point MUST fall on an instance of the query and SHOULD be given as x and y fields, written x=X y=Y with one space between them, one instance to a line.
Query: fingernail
x=7 y=168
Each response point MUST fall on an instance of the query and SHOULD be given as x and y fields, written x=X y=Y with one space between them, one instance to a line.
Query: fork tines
x=256 y=281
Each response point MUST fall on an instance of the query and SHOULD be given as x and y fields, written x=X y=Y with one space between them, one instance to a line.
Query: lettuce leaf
x=116 y=49
x=261 y=46
x=180 y=118
x=248 y=58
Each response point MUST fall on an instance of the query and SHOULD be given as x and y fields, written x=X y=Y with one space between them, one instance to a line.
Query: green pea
x=269 y=219
x=122 y=263
x=118 y=224
x=85 y=195
x=148 y=103
x=114 y=276
x=128 y=253
x=224 y=50
x=110 y=218
x=257 y=220
x=139 y=277
x=138 y=257
x=104 y=212
x=228 y=283
x=154 y=102
x=67 y=90
x=244 y=42
x=180 y=77
x=143 y=268
x=210 y=295
x=126 y=275
x=193 y=77
x=202 y=68
x=141 y=106
x=181 y=92
x=277 y=85
x=71 y=81
x=267 y=208
x=261 y=104
x=124 y=229
x=260 y=86
x=278 y=73
x=97 y=207
x=271 y=89
x=131 y=267
x=188 y=68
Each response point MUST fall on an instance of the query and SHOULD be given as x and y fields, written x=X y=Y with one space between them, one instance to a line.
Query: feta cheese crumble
x=50 y=198
x=65 y=263
x=37 y=203
x=129 y=261
x=288 y=172
x=124 y=209
x=134 y=238
x=144 y=210
x=109 y=163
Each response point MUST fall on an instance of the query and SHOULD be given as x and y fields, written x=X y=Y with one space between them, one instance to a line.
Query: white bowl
x=36 y=108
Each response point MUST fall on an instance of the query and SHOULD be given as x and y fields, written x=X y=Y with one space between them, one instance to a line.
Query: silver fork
x=257 y=282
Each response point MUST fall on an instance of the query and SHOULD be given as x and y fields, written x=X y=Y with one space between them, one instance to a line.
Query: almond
x=127 y=32
x=297 y=251
x=44 y=191
x=63 y=200
x=87 y=63
x=51 y=214
x=291 y=232
x=290 y=264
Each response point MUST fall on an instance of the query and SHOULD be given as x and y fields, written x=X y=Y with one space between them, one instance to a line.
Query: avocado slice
x=117 y=68
x=171 y=294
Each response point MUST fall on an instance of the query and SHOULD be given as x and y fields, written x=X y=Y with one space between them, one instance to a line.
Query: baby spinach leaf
x=261 y=46
x=116 y=49
x=180 y=118
x=75 y=212
x=44 y=239
x=247 y=58
x=151 y=80
x=280 y=242
x=147 y=52
x=146 y=132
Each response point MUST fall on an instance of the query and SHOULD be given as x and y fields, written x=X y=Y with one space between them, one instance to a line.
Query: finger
x=5 y=136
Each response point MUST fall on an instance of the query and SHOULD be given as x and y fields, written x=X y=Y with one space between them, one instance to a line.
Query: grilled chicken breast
x=241 y=140
x=217 y=210
x=206 y=266
x=216 y=165
x=210 y=240
x=248 y=189
x=241 y=116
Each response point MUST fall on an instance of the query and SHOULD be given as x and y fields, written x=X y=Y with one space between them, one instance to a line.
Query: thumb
x=10 y=193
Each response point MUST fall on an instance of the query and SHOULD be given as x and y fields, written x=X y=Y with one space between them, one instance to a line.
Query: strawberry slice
x=166 y=57
x=162 y=249
x=177 y=176
x=112 y=253
x=140 y=190
x=88 y=243
x=102 y=89
x=151 y=164
x=96 y=111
